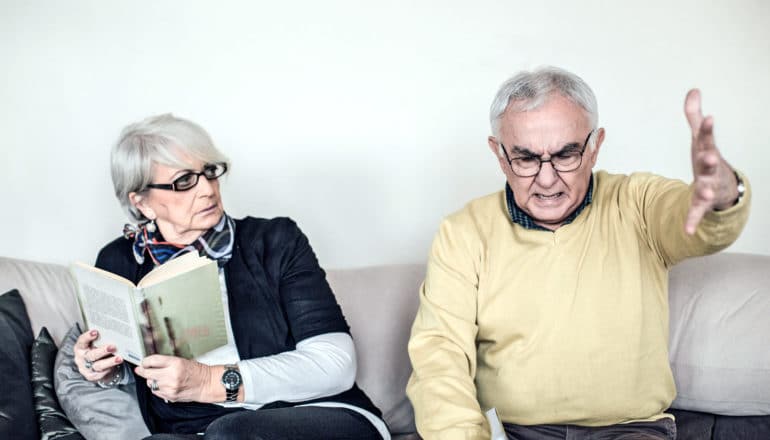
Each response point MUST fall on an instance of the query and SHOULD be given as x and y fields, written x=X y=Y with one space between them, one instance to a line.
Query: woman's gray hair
x=529 y=90
x=163 y=139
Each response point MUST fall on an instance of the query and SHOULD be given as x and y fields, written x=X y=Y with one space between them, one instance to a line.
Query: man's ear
x=496 y=147
x=599 y=139
x=140 y=203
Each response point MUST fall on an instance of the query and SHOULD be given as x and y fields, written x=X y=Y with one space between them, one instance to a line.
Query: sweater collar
x=520 y=217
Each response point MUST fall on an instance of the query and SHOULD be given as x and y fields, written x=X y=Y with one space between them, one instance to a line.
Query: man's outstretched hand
x=715 y=185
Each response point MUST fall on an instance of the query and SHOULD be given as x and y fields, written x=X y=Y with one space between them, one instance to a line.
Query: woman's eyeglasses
x=211 y=171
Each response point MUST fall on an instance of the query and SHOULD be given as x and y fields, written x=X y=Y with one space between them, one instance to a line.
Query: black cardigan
x=278 y=296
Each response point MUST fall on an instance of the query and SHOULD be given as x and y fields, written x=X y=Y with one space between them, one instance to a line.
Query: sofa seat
x=719 y=330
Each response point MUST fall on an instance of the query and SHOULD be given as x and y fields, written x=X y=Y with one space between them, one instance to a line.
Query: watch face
x=231 y=379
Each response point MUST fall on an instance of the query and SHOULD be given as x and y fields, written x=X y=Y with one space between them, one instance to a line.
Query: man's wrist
x=736 y=188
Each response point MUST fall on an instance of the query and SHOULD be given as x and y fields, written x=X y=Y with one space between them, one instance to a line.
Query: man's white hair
x=529 y=90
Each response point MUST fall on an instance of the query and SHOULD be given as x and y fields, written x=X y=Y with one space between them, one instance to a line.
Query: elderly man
x=548 y=300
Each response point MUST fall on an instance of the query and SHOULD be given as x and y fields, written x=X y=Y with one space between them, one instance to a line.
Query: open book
x=175 y=310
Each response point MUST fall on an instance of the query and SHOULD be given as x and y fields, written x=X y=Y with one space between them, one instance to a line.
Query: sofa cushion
x=48 y=291
x=17 y=412
x=380 y=304
x=95 y=411
x=719 y=328
x=52 y=420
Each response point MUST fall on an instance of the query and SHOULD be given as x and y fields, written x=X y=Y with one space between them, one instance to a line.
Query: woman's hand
x=95 y=363
x=177 y=379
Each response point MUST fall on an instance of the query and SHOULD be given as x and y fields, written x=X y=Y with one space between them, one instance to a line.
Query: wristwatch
x=231 y=379
x=741 y=187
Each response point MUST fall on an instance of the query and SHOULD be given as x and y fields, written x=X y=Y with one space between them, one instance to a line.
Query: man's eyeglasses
x=569 y=159
x=211 y=171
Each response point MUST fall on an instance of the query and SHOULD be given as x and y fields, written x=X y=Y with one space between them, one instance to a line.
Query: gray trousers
x=663 y=429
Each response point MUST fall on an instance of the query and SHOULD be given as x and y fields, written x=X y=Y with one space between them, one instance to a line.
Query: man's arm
x=708 y=208
x=442 y=346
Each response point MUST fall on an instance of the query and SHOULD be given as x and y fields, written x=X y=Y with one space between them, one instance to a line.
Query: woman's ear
x=140 y=203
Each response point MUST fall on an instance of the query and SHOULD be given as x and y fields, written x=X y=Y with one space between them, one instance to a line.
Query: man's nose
x=547 y=175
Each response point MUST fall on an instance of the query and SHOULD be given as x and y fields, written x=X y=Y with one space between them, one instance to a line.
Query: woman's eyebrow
x=181 y=173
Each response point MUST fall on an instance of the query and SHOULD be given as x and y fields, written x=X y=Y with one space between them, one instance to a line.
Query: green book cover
x=175 y=310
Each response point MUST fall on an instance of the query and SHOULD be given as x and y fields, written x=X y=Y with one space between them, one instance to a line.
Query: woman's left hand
x=176 y=379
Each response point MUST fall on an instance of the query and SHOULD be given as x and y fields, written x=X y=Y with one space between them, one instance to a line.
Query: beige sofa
x=720 y=325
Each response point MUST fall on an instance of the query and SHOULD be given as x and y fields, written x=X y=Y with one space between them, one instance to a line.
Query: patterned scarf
x=216 y=243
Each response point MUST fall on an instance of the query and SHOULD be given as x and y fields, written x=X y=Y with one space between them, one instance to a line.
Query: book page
x=186 y=312
x=495 y=425
x=107 y=306
x=172 y=268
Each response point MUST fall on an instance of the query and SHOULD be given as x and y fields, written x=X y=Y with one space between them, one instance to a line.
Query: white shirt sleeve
x=320 y=366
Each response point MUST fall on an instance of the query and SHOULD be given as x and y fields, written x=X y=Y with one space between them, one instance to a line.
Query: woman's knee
x=232 y=427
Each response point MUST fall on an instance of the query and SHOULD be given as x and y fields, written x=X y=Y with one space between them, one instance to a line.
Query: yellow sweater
x=567 y=327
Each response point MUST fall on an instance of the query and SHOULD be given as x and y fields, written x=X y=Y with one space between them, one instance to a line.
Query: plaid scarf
x=216 y=243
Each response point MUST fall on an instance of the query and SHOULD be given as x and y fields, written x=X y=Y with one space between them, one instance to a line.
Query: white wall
x=366 y=121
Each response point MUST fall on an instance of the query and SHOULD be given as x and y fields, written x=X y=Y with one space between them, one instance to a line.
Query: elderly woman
x=288 y=370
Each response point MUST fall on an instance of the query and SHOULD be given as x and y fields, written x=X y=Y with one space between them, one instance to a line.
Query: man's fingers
x=702 y=202
x=694 y=216
x=692 y=109
x=705 y=165
x=705 y=136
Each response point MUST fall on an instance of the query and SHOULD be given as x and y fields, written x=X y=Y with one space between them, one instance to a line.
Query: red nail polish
x=93 y=332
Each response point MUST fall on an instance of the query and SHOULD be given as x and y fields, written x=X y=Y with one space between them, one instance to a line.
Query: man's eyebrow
x=524 y=151
x=568 y=147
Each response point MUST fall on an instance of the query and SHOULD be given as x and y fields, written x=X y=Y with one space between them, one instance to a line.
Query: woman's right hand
x=95 y=363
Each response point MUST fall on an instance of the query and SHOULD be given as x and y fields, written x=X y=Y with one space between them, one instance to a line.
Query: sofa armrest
x=719 y=333
x=48 y=292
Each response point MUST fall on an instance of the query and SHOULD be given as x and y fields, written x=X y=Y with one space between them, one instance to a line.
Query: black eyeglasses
x=186 y=181
x=569 y=159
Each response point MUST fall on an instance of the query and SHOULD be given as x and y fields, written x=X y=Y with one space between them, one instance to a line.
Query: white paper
x=495 y=425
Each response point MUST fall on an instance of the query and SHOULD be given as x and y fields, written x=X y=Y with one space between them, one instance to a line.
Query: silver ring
x=89 y=364
x=154 y=385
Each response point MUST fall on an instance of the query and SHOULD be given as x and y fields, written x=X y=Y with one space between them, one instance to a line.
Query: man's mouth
x=549 y=196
